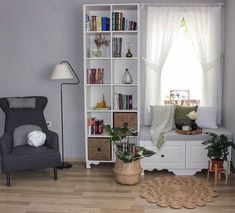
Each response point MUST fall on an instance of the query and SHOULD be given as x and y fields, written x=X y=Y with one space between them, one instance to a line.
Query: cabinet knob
x=98 y=149
x=162 y=156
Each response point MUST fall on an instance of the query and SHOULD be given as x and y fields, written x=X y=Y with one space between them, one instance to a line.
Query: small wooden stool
x=217 y=171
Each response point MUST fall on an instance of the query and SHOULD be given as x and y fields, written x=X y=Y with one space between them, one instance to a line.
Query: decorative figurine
x=127 y=79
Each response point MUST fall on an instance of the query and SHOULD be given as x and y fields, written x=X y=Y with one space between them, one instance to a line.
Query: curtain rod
x=182 y=4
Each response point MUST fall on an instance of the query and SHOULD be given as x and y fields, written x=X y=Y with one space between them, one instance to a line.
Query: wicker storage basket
x=125 y=117
x=99 y=149
x=127 y=173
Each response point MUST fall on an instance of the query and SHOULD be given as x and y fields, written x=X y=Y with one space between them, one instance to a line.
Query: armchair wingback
x=25 y=157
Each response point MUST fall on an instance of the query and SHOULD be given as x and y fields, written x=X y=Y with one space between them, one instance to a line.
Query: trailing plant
x=126 y=151
x=218 y=146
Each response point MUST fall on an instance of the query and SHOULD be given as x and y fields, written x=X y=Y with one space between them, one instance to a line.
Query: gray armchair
x=24 y=157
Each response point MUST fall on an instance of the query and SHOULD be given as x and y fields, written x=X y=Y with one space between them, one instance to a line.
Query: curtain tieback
x=211 y=64
x=156 y=68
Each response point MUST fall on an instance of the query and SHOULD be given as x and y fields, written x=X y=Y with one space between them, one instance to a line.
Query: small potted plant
x=218 y=146
x=127 y=167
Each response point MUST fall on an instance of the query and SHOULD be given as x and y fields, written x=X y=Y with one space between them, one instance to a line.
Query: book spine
x=102 y=76
x=103 y=23
x=87 y=23
x=98 y=21
x=114 y=47
x=107 y=23
x=94 y=24
x=89 y=126
x=96 y=76
x=113 y=20
x=116 y=20
x=130 y=101
x=120 y=21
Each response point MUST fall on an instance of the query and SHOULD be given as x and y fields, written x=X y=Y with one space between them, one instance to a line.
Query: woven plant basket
x=127 y=173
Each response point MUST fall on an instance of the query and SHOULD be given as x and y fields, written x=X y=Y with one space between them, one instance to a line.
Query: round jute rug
x=177 y=192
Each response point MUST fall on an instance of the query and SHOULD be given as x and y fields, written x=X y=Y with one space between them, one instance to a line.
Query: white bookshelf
x=114 y=67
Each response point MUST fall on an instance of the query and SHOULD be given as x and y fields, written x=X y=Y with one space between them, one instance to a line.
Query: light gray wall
x=229 y=74
x=37 y=34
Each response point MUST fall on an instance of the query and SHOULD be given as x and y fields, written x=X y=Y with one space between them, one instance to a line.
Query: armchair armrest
x=52 y=140
x=6 y=143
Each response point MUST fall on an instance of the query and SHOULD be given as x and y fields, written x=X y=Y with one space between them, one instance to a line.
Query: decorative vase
x=97 y=52
x=127 y=173
x=194 y=126
x=127 y=79
x=129 y=54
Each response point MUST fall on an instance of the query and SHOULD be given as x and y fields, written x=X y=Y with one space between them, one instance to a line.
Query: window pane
x=182 y=70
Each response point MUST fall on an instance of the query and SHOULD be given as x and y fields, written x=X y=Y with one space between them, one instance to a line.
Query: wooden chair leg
x=8 y=178
x=55 y=173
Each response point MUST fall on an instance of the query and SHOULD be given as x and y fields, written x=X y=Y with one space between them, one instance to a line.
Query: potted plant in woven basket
x=218 y=146
x=127 y=167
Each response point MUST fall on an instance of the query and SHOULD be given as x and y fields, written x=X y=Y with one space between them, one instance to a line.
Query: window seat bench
x=180 y=154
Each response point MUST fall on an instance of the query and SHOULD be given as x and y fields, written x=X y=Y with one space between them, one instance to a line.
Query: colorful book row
x=95 y=76
x=119 y=22
x=95 y=126
x=97 y=23
x=123 y=102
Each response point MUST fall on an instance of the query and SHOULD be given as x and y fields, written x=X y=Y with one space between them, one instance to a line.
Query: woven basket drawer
x=99 y=149
x=125 y=117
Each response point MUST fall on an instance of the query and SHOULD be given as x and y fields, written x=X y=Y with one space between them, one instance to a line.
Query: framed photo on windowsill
x=180 y=95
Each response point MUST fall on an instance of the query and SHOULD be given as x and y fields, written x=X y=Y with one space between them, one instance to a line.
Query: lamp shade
x=61 y=71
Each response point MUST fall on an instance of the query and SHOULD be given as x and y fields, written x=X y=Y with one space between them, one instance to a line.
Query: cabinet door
x=172 y=155
x=196 y=155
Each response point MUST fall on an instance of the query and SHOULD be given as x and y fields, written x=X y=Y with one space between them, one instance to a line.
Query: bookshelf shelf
x=126 y=85
x=97 y=58
x=119 y=28
x=124 y=32
x=99 y=111
x=98 y=85
x=95 y=32
x=122 y=110
x=124 y=58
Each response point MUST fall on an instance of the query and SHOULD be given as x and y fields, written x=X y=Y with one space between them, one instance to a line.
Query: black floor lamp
x=61 y=72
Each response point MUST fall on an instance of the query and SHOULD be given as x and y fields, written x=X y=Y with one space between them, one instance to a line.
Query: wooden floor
x=91 y=191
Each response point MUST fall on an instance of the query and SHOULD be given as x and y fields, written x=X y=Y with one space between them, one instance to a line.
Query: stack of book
x=95 y=126
x=117 y=47
x=119 y=22
x=97 y=23
x=123 y=102
x=95 y=76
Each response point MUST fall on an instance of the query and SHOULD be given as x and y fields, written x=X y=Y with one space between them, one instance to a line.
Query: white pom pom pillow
x=36 y=138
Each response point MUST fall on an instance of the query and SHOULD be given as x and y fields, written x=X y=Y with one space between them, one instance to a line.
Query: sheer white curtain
x=162 y=27
x=204 y=25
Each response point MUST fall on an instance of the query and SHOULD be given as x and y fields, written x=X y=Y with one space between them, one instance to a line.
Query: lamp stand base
x=64 y=165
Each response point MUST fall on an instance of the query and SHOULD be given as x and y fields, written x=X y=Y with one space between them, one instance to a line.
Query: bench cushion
x=172 y=135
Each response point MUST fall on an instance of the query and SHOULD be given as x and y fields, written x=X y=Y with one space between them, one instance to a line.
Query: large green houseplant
x=218 y=148
x=124 y=150
x=127 y=167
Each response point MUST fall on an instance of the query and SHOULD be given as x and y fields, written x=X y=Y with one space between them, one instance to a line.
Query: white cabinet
x=179 y=157
x=109 y=30
x=196 y=155
x=171 y=156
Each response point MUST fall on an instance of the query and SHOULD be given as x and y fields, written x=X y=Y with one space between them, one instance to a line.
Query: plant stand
x=127 y=173
x=218 y=170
